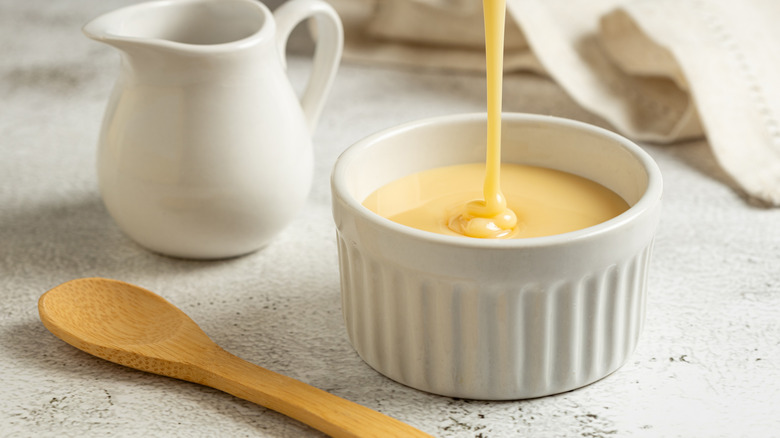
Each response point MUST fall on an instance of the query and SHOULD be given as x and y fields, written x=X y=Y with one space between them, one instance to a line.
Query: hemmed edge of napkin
x=732 y=106
x=584 y=70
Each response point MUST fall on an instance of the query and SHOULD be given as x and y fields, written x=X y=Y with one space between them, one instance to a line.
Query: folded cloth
x=445 y=34
x=658 y=70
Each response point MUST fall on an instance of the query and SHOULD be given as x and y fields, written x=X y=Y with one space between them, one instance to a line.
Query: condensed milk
x=516 y=201
x=545 y=201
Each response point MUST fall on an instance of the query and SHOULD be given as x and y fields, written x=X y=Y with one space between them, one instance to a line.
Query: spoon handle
x=321 y=410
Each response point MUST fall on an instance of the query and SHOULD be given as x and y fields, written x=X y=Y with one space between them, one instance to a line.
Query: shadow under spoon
x=132 y=326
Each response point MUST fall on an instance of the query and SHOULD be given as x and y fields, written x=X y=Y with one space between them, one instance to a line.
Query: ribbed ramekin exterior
x=522 y=339
x=495 y=319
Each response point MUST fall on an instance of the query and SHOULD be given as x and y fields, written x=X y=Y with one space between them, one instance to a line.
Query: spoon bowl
x=132 y=326
x=110 y=313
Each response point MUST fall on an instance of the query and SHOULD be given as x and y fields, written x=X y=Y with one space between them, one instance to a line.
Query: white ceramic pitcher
x=205 y=150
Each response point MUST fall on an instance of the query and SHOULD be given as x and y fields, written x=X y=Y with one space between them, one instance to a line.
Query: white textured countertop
x=707 y=364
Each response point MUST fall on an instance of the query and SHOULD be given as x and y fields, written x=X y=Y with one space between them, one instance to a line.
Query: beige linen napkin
x=658 y=70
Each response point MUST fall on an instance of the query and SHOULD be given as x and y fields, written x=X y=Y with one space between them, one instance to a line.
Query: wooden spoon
x=137 y=328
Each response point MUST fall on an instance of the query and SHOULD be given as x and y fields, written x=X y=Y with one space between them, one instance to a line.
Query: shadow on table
x=699 y=157
x=39 y=352
x=61 y=240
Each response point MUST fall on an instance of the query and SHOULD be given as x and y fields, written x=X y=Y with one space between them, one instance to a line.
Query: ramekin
x=495 y=319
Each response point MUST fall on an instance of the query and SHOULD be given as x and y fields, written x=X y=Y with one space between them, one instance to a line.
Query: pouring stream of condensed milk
x=538 y=202
x=490 y=218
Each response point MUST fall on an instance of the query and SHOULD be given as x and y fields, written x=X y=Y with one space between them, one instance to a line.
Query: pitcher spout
x=103 y=28
x=188 y=25
x=112 y=29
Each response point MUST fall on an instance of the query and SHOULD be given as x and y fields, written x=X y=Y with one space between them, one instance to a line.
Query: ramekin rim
x=651 y=196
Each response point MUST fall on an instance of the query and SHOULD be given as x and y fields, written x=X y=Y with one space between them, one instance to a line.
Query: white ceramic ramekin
x=495 y=319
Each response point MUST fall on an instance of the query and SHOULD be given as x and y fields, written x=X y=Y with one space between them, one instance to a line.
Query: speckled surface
x=707 y=364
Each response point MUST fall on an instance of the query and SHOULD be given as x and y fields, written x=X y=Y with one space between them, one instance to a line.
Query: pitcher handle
x=329 y=45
